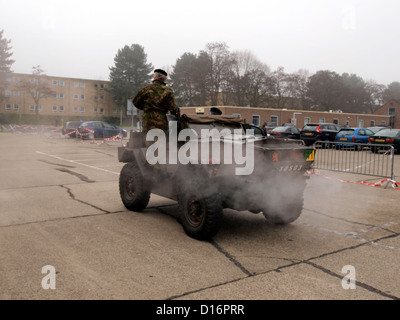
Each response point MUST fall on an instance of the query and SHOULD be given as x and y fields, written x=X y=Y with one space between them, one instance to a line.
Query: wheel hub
x=195 y=211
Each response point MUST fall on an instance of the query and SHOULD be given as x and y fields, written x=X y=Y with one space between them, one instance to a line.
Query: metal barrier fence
x=363 y=159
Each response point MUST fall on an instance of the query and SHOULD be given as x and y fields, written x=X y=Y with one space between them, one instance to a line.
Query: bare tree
x=281 y=87
x=220 y=66
x=247 y=82
x=38 y=86
x=375 y=94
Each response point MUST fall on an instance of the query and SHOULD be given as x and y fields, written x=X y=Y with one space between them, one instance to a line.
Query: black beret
x=216 y=111
x=161 y=71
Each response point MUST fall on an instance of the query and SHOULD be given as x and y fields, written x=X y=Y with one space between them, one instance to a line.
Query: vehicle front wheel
x=284 y=210
x=134 y=194
x=200 y=213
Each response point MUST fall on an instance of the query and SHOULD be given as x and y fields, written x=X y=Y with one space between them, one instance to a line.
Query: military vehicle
x=234 y=169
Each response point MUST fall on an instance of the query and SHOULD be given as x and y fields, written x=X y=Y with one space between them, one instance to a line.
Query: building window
x=55 y=95
x=321 y=120
x=16 y=93
x=336 y=121
x=62 y=83
x=82 y=97
x=55 y=108
x=101 y=110
x=82 y=85
x=102 y=98
x=75 y=97
x=32 y=108
x=274 y=121
x=95 y=86
x=347 y=123
x=233 y=114
x=95 y=98
x=8 y=93
x=82 y=109
x=55 y=83
x=307 y=120
x=76 y=84
x=102 y=86
x=372 y=123
x=255 y=120
x=8 y=107
x=392 y=111
x=76 y=109
x=114 y=111
x=61 y=96
x=16 y=79
x=16 y=107
x=61 y=108
x=383 y=122
x=361 y=123
x=40 y=108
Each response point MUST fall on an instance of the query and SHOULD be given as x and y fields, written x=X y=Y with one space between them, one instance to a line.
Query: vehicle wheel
x=134 y=194
x=200 y=213
x=284 y=211
x=282 y=216
x=357 y=147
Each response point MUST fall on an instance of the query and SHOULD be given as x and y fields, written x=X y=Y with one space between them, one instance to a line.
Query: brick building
x=85 y=99
x=259 y=116
x=391 y=109
x=72 y=98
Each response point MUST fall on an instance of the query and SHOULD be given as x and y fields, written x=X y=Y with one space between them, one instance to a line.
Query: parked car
x=352 y=137
x=258 y=132
x=378 y=128
x=290 y=132
x=314 y=132
x=99 y=130
x=386 y=137
x=70 y=128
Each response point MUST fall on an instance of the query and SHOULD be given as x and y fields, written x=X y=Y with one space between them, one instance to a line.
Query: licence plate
x=380 y=140
x=309 y=134
x=344 y=139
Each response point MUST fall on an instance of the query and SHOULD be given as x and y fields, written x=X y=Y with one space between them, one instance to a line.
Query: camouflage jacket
x=155 y=99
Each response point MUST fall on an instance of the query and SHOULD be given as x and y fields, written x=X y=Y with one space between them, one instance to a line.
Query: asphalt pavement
x=65 y=235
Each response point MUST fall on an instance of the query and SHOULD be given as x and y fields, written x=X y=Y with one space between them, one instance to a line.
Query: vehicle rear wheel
x=134 y=194
x=357 y=147
x=282 y=211
x=200 y=213
x=375 y=149
x=284 y=215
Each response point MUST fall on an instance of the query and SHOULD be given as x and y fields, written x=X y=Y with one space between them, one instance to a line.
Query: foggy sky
x=80 y=38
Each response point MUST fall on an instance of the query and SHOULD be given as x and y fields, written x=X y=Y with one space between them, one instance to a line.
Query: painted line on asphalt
x=76 y=162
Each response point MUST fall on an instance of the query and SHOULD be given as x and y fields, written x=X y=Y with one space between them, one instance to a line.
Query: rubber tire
x=131 y=177
x=357 y=147
x=209 y=206
x=287 y=210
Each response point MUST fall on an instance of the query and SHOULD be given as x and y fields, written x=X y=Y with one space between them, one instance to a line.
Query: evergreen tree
x=5 y=62
x=129 y=74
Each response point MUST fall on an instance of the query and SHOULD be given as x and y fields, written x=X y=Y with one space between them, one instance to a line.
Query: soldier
x=156 y=99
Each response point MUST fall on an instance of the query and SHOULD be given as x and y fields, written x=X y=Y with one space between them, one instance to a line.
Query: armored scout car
x=210 y=163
